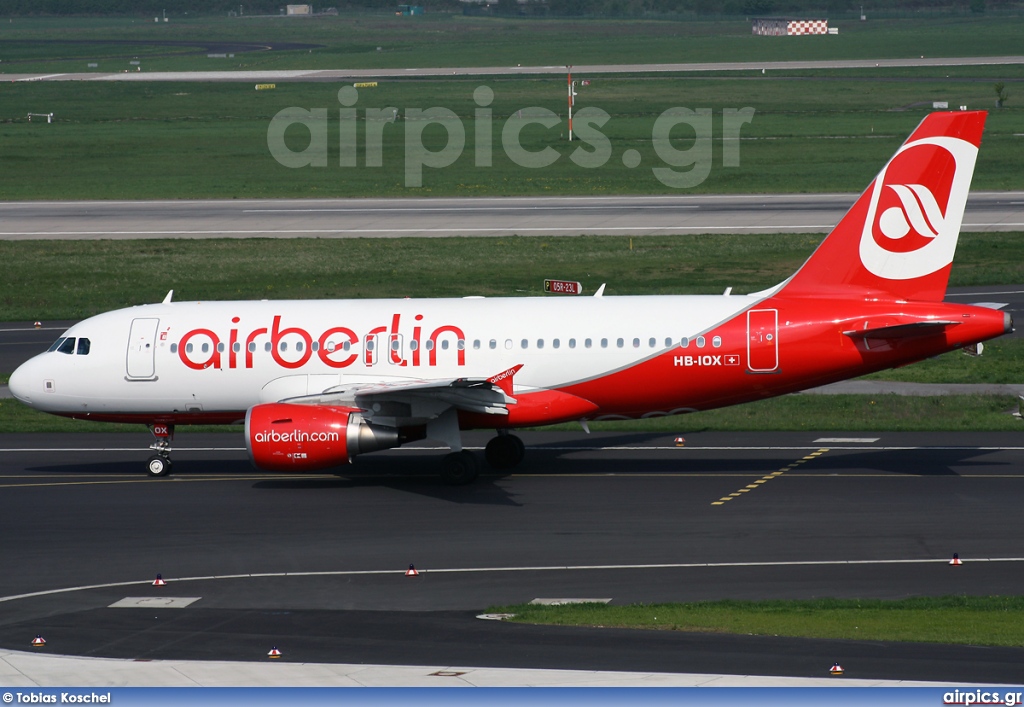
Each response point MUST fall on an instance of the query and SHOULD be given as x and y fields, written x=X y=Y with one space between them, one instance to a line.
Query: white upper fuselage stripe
x=234 y=381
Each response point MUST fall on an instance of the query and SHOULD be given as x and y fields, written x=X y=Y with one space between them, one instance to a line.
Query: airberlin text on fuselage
x=240 y=349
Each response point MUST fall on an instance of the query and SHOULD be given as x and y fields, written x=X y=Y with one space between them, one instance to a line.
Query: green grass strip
x=982 y=621
x=42 y=279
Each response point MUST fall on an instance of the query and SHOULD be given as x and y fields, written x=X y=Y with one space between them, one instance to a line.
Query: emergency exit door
x=142 y=348
x=762 y=340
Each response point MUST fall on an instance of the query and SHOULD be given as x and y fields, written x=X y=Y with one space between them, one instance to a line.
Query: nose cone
x=23 y=382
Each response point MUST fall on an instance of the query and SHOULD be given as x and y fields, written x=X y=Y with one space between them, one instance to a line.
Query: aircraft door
x=395 y=350
x=370 y=353
x=141 y=361
x=762 y=340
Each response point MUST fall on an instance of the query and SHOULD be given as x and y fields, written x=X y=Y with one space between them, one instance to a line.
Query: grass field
x=979 y=621
x=436 y=40
x=210 y=140
x=73 y=279
x=76 y=279
x=823 y=130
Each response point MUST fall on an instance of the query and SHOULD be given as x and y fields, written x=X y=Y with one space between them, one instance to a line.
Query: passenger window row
x=330 y=346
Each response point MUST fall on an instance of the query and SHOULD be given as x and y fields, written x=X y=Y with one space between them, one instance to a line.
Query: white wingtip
x=167 y=299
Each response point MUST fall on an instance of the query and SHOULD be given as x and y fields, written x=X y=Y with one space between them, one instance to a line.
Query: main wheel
x=504 y=451
x=460 y=468
x=158 y=466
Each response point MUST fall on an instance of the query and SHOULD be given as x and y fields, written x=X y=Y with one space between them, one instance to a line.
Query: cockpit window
x=83 y=347
x=67 y=346
x=56 y=344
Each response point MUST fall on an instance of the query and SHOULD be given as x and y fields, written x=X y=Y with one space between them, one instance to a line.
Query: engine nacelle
x=289 y=437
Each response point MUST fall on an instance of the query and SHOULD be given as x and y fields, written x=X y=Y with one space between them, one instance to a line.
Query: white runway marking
x=454 y=231
x=844 y=440
x=154 y=602
x=538 y=568
x=584 y=205
x=979 y=294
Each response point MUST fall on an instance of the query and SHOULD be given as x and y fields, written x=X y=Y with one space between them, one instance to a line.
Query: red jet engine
x=289 y=437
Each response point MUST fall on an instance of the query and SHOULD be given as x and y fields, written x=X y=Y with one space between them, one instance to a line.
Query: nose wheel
x=160 y=464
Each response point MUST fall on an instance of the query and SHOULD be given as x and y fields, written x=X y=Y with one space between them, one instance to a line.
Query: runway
x=316 y=563
x=511 y=71
x=526 y=216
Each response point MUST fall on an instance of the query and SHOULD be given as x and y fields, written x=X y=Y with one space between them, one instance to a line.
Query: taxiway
x=499 y=216
x=316 y=562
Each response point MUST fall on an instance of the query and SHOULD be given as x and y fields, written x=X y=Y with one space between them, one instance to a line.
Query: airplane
x=318 y=383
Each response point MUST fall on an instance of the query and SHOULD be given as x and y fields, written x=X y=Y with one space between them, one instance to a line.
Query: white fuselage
x=228 y=356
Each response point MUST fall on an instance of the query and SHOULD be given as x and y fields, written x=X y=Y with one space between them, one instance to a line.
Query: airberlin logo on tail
x=918 y=210
x=916 y=207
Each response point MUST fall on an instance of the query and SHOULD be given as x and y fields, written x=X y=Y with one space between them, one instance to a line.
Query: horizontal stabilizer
x=902 y=331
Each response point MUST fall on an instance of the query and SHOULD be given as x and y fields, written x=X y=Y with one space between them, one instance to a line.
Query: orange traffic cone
x=159 y=581
x=836 y=669
x=411 y=572
x=274 y=653
x=37 y=325
x=680 y=441
x=956 y=560
x=38 y=641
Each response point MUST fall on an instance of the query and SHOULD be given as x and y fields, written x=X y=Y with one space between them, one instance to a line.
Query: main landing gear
x=160 y=463
x=503 y=452
x=460 y=468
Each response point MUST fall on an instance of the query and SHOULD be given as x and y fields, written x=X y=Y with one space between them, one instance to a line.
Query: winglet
x=167 y=299
x=504 y=379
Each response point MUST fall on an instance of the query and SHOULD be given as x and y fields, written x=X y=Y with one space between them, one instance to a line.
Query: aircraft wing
x=414 y=401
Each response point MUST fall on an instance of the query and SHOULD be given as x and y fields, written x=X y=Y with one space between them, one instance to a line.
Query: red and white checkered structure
x=782 y=26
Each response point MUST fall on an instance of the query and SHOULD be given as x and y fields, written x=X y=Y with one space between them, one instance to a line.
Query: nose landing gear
x=160 y=463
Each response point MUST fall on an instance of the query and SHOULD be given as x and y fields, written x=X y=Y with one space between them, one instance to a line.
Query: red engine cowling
x=288 y=437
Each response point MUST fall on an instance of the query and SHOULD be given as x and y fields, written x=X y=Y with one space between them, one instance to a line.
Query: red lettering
x=214 y=359
x=415 y=345
x=324 y=354
x=433 y=343
x=305 y=345
x=232 y=340
x=249 y=340
x=277 y=334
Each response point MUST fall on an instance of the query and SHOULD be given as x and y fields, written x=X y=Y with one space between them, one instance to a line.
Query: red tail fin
x=898 y=240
